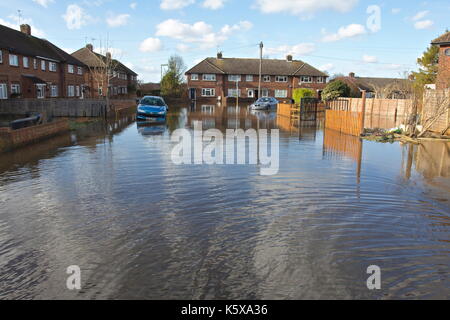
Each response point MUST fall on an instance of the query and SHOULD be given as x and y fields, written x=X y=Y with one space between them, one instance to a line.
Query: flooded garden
x=108 y=198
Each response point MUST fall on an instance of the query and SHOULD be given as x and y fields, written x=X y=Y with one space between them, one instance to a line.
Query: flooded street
x=110 y=200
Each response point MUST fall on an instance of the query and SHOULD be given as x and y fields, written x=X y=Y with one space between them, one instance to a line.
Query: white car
x=266 y=103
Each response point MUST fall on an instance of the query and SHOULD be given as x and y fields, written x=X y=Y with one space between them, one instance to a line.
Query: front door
x=192 y=94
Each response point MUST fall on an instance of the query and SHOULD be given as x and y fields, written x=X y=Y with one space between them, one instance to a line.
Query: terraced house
x=222 y=78
x=106 y=72
x=31 y=67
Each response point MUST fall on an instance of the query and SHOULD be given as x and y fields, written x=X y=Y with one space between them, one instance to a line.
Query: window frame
x=70 y=69
x=194 y=77
x=42 y=91
x=267 y=77
x=302 y=79
x=53 y=88
x=205 y=77
x=27 y=63
x=284 y=96
x=1 y=56
x=212 y=92
x=43 y=65
x=16 y=60
x=80 y=71
x=50 y=64
x=70 y=91
x=35 y=64
x=234 y=78
x=447 y=52
x=234 y=89
x=4 y=91
x=320 y=79
x=278 y=77
x=16 y=91
x=249 y=78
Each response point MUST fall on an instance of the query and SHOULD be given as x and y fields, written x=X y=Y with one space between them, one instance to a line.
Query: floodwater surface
x=109 y=199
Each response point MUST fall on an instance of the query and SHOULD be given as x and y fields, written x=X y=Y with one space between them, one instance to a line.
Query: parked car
x=266 y=103
x=152 y=109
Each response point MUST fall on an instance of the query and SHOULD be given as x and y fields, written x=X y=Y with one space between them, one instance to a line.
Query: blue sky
x=370 y=38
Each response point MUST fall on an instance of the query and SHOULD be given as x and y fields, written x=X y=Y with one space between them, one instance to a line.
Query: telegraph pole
x=261 y=46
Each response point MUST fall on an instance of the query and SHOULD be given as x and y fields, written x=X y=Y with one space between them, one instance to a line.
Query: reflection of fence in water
x=337 y=145
x=433 y=159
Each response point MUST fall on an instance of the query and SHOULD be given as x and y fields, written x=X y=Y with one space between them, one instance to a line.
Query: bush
x=301 y=93
x=335 y=89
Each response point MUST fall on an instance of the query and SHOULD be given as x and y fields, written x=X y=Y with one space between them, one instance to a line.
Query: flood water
x=109 y=199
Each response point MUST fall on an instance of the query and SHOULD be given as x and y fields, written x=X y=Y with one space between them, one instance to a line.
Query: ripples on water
x=110 y=200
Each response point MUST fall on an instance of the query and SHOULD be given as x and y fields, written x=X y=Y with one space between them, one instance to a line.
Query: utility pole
x=261 y=46
x=162 y=66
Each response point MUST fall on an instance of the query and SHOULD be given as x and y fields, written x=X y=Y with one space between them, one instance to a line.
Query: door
x=192 y=94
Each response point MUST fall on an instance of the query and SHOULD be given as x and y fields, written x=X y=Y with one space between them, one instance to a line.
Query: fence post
x=363 y=112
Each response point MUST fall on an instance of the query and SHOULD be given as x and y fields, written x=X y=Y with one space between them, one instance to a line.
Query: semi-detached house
x=222 y=78
x=31 y=67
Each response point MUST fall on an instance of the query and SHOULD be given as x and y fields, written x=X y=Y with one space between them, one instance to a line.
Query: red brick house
x=35 y=68
x=122 y=80
x=443 y=77
x=221 y=78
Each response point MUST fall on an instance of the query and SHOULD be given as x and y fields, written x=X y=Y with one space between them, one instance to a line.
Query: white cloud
x=420 y=15
x=43 y=3
x=424 y=24
x=15 y=24
x=370 y=59
x=75 y=17
x=396 y=10
x=298 y=49
x=349 y=31
x=327 y=67
x=199 y=32
x=175 y=4
x=151 y=45
x=214 y=4
x=304 y=7
x=133 y=5
x=117 y=20
x=116 y=53
x=183 y=47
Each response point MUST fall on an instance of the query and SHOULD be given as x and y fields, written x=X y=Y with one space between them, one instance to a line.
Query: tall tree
x=428 y=67
x=173 y=79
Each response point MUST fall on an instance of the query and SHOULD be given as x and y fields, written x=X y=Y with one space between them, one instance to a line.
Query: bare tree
x=436 y=106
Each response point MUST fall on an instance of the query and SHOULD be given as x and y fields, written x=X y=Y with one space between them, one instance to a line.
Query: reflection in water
x=111 y=201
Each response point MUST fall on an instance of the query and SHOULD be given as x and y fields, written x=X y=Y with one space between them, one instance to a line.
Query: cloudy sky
x=370 y=38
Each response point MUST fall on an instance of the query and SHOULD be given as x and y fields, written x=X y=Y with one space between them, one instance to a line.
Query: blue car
x=152 y=109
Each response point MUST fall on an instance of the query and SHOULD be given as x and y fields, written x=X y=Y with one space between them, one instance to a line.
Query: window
x=264 y=92
x=266 y=78
x=100 y=91
x=77 y=91
x=281 y=79
x=26 y=63
x=208 y=92
x=3 y=91
x=234 y=93
x=1 y=56
x=209 y=77
x=13 y=60
x=447 y=52
x=320 y=79
x=34 y=64
x=70 y=68
x=306 y=79
x=43 y=65
x=80 y=70
x=54 y=91
x=249 y=78
x=234 y=77
x=251 y=93
x=281 y=93
x=194 y=77
x=52 y=66
x=15 y=88
x=40 y=88
x=70 y=91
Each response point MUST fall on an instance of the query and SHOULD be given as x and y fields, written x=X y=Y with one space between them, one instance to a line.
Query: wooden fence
x=347 y=122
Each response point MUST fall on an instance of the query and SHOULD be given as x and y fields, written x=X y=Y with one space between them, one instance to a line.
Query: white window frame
x=52 y=66
x=26 y=62
x=208 y=92
x=1 y=56
x=13 y=60
x=54 y=91
x=232 y=92
x=281 y=93
x=194 y=77
x=281 y=79
x=70 y=68
x=35 y=64
x=252 y=91
x=264 y=93
x=267 y=78
x=43 y=65
x=320 y=80
x=209 y=77
x=3 y=91
x=80 y=70
x=234 y=77
x=40 y=90
x=15 y=88
x=249 y=78
x=77 y=91
x=71 y=91
x=303 y=79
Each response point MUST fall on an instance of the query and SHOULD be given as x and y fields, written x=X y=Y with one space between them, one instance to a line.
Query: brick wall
x=443 y=79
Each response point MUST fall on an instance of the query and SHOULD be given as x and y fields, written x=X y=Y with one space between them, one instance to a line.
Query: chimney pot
x=351 y=74
x=25 y=28
x=219 y=55
x=289 y=57
x=108 y=55
x=90 y=47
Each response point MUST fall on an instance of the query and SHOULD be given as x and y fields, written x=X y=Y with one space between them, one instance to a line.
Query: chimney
x=108 y=55
x=90 y=47
x=219 y=55
x=351 y=74
x=289 y=58
x=25 y=28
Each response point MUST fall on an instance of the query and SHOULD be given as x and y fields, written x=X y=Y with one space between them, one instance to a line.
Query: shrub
x=301 y=93
x=335 y=89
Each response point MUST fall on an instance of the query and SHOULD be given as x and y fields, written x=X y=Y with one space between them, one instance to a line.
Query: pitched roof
x=370 y=84
x=251 y=66
x=20 y=43
x=96 y=60
x=444 y=39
